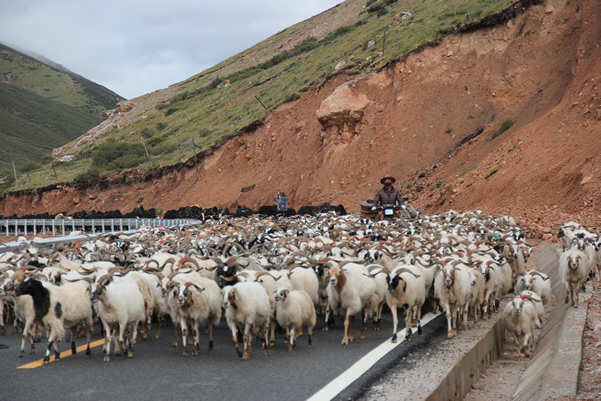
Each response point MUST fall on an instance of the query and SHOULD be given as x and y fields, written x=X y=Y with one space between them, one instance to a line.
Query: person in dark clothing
x=388 y=195
x=282 y=202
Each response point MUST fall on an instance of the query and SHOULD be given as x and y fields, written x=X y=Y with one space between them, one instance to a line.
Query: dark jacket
x=282 y=201
x=388 y=197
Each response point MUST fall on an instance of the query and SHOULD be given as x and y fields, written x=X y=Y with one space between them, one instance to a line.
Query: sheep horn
x=539 y=274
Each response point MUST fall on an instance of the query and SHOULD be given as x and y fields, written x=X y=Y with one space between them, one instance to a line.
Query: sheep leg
x=272 y=332
x=122 y=328
x=345 y=339
x=26 y=333
x=246 y=340
x=2 y=329
x=310 y=334
x=51 y=344
x=210 y=330
x=419 y=319
x=159 y=324
x=363 y=324
x=235 y=339
x=408 y=330
x=196 y=329
x=351 y=332
x=291 y=334
x=73 y=349
x=265 y=331
x=184 y=328
x=450 y=330
x=88 y=337
x=395 y=321
x=175 y=342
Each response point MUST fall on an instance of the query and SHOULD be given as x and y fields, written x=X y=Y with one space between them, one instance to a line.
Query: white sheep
x=477 y=294
x=120 y=304
x=537 y=282
x=271 y=280
x=247 y=304
x=59 y=308
x=406 y=288
x=519 y=317
x=352 y=290
x=452 y=287
x=295 y=309
x=194 y=301
x=538 y=305
x=574 y=269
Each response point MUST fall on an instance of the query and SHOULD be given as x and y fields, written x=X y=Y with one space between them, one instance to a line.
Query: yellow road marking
x=63 y=354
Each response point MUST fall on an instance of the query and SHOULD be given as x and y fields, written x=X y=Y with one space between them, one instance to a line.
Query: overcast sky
x=134 y=47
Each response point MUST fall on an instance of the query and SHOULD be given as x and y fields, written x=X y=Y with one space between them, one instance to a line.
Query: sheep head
x=281 y=294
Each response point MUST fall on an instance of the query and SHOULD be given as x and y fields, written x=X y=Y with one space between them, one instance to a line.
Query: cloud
x=134 y=47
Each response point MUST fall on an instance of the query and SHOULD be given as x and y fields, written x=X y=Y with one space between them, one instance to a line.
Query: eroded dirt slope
x=539 y=70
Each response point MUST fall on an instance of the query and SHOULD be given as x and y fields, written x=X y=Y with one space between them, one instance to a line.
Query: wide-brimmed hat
x=388 y=177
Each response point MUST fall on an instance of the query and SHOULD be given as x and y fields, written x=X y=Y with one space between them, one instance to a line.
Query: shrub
x=505 y=125
x=161 y=126
x=147 y=132
x=83 y=180
x=171 y=110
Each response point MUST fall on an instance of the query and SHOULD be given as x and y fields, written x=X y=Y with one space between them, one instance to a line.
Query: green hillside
x=361 y=37
x=43 y=107
x=32 y=125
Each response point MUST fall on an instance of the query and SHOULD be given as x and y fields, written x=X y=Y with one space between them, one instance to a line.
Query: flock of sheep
x=262 y=272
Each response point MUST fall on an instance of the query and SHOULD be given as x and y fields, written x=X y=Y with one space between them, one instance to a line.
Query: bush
x=161 y=126
x=113 y=155
x=147 y=132
x=83 y=180
x=171 y=110
x=505 y=125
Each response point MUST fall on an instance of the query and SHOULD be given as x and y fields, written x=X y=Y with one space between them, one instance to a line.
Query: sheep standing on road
x=120 y=305
x=193 y=300
x=352 y=290
x=59 y=308
x=295 y=309
x=247 y=304
x=405 y=288
x=452 y=286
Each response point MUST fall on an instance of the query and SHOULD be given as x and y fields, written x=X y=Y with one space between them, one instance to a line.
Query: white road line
x=337 y=385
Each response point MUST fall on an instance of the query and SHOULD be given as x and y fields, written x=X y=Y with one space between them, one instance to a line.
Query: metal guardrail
x=10 y=227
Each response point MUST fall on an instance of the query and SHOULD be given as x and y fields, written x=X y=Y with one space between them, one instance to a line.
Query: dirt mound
x=505 y=119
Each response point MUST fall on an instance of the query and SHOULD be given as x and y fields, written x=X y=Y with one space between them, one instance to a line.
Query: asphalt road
x=159 y=371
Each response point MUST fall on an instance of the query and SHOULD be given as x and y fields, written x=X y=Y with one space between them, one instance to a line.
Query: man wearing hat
x=388 y=195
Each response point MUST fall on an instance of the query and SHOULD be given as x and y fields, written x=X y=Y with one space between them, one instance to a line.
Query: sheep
x=538 y=305
x=305 y=279
x=519 y=317
x=477 y=294
x=294 y=310
x=574 y=269
x=271 y=281
x=119 y=304
x=194 y=302
x=59 y=308
x=24 y=311
x=452 y=287
x=405 y=288
x=537 y=282
x=247 y=303
x=351 y=290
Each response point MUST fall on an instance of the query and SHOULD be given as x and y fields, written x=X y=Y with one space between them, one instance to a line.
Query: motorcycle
x=387 y=212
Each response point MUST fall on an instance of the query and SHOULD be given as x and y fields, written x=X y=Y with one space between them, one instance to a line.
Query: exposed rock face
x=340 y=114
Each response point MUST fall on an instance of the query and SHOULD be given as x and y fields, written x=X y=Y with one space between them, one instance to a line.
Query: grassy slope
x=278 y=67
x=32 y=125
x=43 y=108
